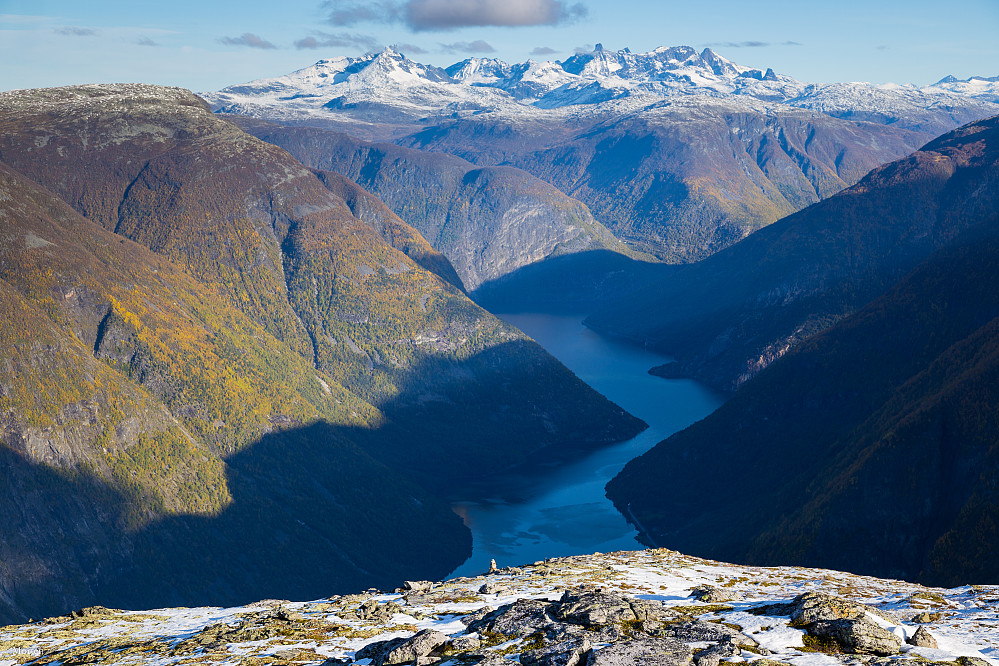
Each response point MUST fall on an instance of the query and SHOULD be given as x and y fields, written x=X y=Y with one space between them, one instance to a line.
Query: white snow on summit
x=390 y=87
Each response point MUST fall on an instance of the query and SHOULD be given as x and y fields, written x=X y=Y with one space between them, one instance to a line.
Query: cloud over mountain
x=319 y=39
x=449 y=14
x=247 y=39
x=432 y=15
x=478 y=46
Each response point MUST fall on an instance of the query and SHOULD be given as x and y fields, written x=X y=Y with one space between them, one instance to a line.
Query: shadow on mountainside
x=317 y=509
x=574 y=283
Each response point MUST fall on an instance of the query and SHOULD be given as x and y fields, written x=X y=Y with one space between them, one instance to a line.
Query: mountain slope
x=871 y=446
x=125 y=385
x=488 y=221
x=730 y=315
x=685 y=178
x=209 y=357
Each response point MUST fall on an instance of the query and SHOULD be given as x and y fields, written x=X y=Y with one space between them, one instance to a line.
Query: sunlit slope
x=209 y=359
x=129 y=394
x=488 y=220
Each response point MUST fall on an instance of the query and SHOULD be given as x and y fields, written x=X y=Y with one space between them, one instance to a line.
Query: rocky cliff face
x=206 y=357
x=620 y=609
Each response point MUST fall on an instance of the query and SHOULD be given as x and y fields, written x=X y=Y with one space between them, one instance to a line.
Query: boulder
x=642 y=652
x=378 y=649
x=465 y=643
x=651 y=611
x=713 y=655
x=700 y=631
x=475 y=616
x=922 y=638
x=814 y=606
x=372 y=610
x=594 y=608
x=417 y=586
x=419 y=645
x=713 y=595
x=521 y=618
x=972 y=661
x=857 y=635
x=287 y=615
x=492 y=587
x=571 y=652
x=926 y=618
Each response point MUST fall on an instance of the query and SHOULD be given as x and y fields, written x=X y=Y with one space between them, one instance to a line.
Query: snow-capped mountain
x=679 y=152
x=389 y=86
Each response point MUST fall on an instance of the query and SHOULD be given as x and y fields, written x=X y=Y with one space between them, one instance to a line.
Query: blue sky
x=206 y=44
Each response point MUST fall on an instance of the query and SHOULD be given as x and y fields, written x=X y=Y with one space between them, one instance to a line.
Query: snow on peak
x=391 y=80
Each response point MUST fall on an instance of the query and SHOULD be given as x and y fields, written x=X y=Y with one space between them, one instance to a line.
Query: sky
x=208 y=44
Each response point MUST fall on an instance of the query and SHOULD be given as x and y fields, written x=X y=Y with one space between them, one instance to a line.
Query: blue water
x=564 y=511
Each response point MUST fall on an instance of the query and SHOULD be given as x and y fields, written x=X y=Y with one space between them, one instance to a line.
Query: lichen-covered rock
x=699 y=631
x=972 y=661
x=814 y=606
x=417 y=586
x=492 y=587
x=926 y=618
x=377 y=650
x=651 y=611
x=714 y=654
x=593 y=608
x=465 y=643
x=419 y=645
x=522 y=617
x=713 y=595
x=571 y=652
x=471 y=618
x=372 y=610
x=642 y=652
x=857 y=635
x=922 y=638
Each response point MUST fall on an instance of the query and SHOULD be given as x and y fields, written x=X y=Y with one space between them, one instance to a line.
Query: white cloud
x=421 y=15
x=247 y=39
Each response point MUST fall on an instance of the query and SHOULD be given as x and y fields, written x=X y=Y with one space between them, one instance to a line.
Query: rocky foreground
x=654 y=607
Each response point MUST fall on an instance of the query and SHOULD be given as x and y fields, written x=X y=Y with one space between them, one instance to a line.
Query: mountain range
x=209 y=359
x=678 y=153
x=863 y=431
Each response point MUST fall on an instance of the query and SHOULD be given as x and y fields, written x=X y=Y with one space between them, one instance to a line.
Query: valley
x=378 y=321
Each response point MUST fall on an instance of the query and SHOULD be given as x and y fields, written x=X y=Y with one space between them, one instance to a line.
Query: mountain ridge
x=733 y=313
x=388 y=80
x=869 y=431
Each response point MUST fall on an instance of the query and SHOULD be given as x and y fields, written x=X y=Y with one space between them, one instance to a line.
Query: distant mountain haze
x=679 y=153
